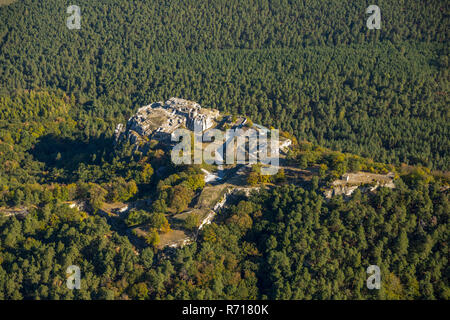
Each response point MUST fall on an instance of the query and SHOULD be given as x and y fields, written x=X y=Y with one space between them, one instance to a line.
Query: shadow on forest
x=68 y=153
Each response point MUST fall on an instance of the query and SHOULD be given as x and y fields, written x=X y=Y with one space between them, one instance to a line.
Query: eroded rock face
x=158 y=120
x=365 y=181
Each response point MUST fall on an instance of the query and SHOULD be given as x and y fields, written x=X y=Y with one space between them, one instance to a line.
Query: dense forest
x=314 y=64
x=284 y=244
x=354 y=99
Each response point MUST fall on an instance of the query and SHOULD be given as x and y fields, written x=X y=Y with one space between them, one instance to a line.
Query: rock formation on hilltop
x=158 y=120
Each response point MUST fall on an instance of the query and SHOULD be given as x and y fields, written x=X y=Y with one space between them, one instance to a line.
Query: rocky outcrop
x=180 y=243
x=285 y=144
x=364 y=181
x=222 y=202
x=158 y=120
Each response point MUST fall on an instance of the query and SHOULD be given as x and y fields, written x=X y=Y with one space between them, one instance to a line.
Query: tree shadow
x=67 y=153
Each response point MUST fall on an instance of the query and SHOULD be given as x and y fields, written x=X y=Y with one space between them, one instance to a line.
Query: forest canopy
x=314 y=64
x=354 y=99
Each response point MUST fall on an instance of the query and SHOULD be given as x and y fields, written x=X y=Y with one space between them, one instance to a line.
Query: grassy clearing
x=172 y=237
x=6 y=2
x=211 y=195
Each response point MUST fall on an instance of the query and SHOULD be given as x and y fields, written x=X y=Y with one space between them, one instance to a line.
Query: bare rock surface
x=158 y=120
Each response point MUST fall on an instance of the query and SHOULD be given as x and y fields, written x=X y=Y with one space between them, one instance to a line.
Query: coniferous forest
x=310 y=68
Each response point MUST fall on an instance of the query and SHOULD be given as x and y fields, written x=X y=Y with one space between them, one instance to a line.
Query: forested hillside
x=286 y=244
x=354 y=99
x=313 y=64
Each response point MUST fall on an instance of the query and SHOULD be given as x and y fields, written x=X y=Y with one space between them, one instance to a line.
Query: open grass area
x=6 y=2
x=173 y=237
x=211 y=195
x=359 y=178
